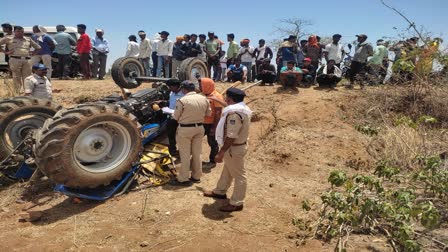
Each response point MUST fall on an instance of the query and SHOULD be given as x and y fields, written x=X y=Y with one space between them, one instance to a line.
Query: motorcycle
x=346 y=63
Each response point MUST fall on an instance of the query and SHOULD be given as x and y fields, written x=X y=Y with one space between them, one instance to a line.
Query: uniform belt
x=190 y=125
x=20 y=57
x=239 y=144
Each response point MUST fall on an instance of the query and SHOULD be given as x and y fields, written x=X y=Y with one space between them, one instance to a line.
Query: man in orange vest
x=207 y=87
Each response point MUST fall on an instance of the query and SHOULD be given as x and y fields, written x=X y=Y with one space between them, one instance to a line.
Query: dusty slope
x=288 y=165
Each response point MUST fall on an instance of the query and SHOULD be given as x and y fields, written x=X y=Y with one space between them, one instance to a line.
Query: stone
x=144 y=244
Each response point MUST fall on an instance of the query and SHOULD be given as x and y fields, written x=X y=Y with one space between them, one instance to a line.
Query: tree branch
x=411 y=24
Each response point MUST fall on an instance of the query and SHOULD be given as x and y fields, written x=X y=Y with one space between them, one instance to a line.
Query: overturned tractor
x=89 y=145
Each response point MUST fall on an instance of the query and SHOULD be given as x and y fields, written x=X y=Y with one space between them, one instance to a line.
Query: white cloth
x=168 y=111
x=337 y=71
x=145 y=49
x=155 y=40
x=334 y=52
x=133 y=49
x=40 y=35
x=234 y=108
x=246 y=56
x=223 y=61
x=261 y=51
x=165 y=48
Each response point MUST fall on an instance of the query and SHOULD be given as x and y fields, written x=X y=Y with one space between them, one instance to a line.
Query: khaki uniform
x=19 y=59
x=39 y=87
x=189 y=113
x=237 y=127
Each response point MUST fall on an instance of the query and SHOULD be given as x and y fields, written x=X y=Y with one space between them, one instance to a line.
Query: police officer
x=232 y=134
x=176 y=93
x=7 y=31
x=189 y=113
x=19 y=56
x=37 y=84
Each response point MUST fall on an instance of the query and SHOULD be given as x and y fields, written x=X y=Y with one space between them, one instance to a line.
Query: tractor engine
x=141 y=104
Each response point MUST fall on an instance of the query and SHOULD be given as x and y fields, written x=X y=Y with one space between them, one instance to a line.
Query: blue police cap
x=188 y=85
x=235 y=92
x=39 y=67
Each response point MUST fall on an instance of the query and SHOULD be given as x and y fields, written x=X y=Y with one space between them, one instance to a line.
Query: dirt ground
x=296 y=141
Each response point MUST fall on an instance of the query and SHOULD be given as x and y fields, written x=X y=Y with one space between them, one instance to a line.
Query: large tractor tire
x=125 y=69
x=190 y=68
x=19 y=116
x=88 y=146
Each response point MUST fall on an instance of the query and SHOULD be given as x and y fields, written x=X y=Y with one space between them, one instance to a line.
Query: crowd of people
x=303 y=62
x=298 y=63
x=26 y=56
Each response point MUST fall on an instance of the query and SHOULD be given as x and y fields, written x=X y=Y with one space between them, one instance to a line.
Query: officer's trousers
x=233 y=170
x=20 y=69
x=189 y=141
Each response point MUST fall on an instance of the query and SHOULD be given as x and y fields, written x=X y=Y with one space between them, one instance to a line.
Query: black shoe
x=208 y=165
x=176 y=182
x=196 y=181
x=211 y=194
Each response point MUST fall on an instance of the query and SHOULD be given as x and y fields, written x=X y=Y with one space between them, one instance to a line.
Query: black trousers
x=154 y=63
x=230 y=62
x=327 y=80
x=355 y=69
x=211 y=142
x=171 y=128
x=267 y=78
x=64 y=63
x=213 y=62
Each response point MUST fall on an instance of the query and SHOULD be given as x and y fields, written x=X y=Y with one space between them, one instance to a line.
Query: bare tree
x=293 y=26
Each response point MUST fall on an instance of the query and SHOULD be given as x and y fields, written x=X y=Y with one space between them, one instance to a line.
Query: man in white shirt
x=155 y=41
x=334 y=51
x=145 y=52
x=164 y=54
x=37 y=84
x=133 y=48
x=260 y=53
x=201 y=43
x=247 y=55
x=100 y=47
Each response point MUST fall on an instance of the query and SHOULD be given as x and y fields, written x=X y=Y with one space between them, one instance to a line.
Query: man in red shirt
x=83 y=48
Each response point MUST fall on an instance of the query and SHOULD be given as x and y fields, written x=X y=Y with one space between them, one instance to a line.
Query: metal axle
x=151 y=79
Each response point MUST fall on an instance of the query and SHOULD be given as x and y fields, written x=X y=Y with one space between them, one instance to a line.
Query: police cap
x=232 y=92
x=188 y=85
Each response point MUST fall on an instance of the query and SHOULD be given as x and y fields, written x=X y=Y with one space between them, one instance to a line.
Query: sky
x=248 y=19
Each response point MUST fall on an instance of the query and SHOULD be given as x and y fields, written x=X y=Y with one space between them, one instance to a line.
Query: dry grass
x=398 y=101
x=401 y=144
x=6 y=88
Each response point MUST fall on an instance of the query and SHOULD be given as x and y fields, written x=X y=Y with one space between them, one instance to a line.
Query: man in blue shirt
x=289 y=50
x=176 y=94
x=237 y=72
x=64 y=50
x=47 y=44
x=100 y=50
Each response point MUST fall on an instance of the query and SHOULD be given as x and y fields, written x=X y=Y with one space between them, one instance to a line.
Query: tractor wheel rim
x=131 y=69
x=102 y=147
x=195 y=71
x=18 y=129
